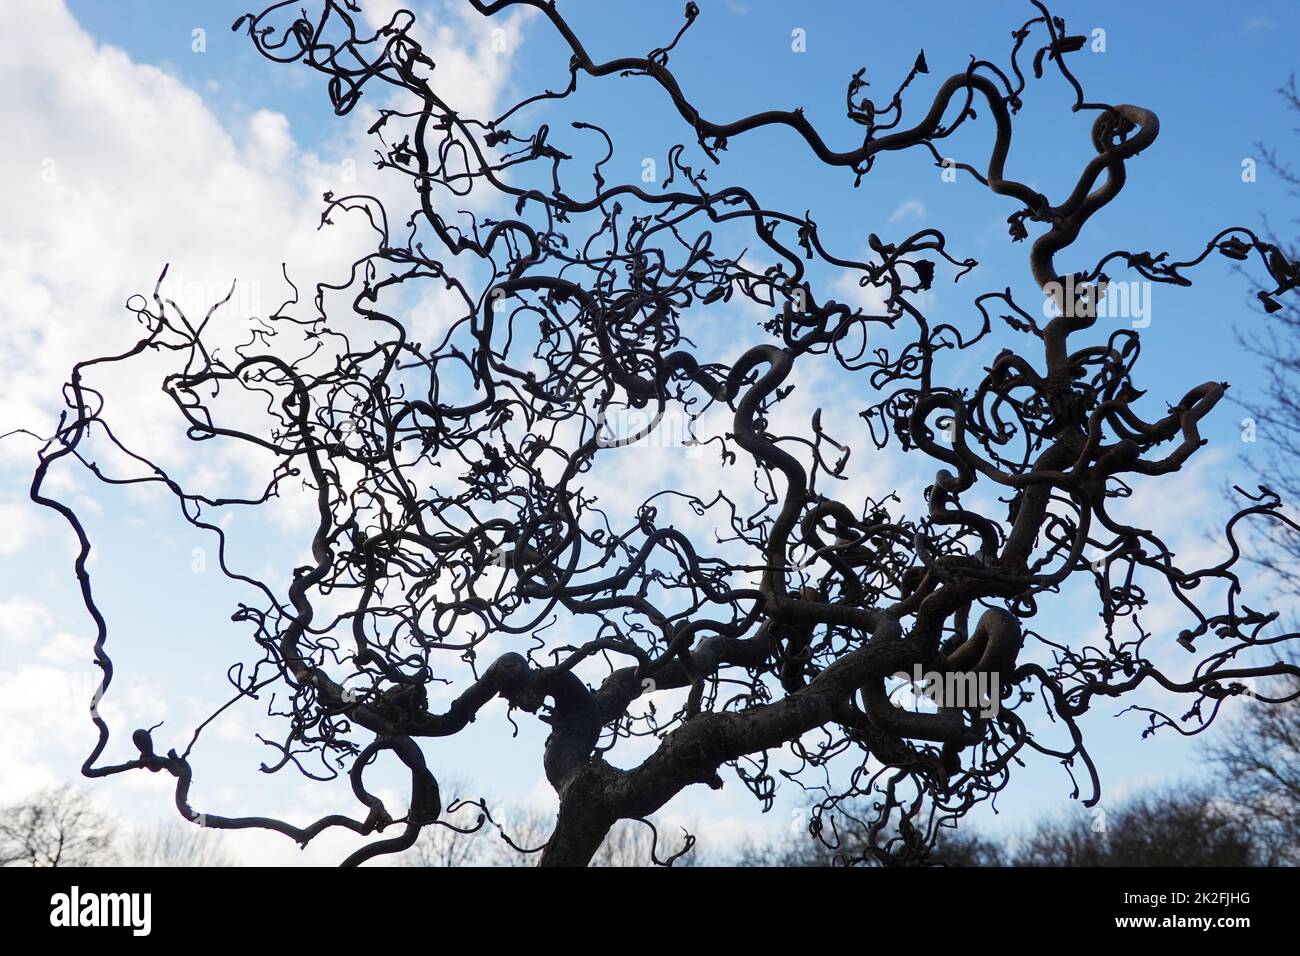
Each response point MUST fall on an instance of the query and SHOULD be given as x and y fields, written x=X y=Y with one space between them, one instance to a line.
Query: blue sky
x=214 y=161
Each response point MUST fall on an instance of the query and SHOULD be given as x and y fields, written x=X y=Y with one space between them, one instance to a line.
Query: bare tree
x=522 y=834
x=758 y=608
x=56 y=827
x=172 y=844
x=791 y=850
x=1274 y=420
x=1174 y=826
x=1184 y=826
x=1257 y=757
x=439 y=845
x=628 y=843
x=648 y=843
x=460 y=837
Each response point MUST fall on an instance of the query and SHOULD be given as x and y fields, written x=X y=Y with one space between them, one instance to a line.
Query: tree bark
x=585 y=817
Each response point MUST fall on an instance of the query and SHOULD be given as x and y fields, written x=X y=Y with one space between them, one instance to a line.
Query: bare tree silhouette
x=452 y=478
x=171 y=844
x=1180 y=825
x=54 y=827
x=1276 y=418
x=1177 y=826
x=1258 y=759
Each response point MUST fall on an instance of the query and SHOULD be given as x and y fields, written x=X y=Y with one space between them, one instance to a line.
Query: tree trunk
x=584 y=820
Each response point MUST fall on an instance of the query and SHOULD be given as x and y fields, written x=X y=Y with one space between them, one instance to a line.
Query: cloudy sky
x=145 y=134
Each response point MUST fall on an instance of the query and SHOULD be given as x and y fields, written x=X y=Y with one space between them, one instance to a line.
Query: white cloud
x=66 y=650
x=22 y=620
x=908 y=209
x=870 y=298
x=473 y=53
x=122 y=168
x=17 y=526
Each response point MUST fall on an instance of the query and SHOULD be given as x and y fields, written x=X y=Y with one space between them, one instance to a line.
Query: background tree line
x=59 y=827
x=1246 y=813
